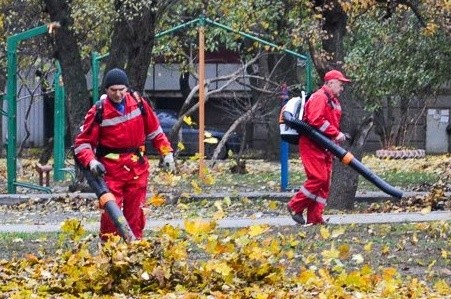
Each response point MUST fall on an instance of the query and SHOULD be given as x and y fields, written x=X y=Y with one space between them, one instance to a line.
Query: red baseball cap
x=334 y=74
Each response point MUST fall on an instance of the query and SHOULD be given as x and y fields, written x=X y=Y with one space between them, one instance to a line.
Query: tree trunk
x=401 y=133
x=68 y=54
x=132 y=43
x=344 y=179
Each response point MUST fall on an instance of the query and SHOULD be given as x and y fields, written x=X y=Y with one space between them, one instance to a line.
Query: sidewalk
x=155 y=224
x=53 y=225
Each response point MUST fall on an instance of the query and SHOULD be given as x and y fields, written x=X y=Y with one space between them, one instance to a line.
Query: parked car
x=190 y=137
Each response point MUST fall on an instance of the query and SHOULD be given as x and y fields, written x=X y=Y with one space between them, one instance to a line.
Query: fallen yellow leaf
x=324 y=232
x=157 y=200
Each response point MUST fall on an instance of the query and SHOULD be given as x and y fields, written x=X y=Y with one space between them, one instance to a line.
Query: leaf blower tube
x=107 y=201
x=345 y=157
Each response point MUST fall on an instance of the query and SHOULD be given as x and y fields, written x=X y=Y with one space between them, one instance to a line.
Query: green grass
x=405 y=180
x=15 y=236
x=402 y=179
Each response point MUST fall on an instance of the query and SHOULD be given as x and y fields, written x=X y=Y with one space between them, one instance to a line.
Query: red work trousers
x=130 y=193
x=315 y=190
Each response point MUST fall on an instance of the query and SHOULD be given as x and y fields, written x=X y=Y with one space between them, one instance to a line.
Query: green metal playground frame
x=12 y=44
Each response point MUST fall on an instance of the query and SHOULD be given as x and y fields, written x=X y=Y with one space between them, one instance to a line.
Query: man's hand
x=96 y=168
x=168 y=162
x=340 y=137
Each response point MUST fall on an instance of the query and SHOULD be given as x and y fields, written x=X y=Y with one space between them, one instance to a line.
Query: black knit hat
x=115 y=77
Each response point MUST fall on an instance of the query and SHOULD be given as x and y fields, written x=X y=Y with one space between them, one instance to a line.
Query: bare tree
x=242 y=110
x=67 y=51
x=31 y=92
x=254 y=109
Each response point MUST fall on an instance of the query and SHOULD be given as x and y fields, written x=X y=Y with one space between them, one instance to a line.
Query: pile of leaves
x=435 y=200
x=202 y=261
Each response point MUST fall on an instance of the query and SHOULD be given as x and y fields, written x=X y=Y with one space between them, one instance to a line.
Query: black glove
x=96 y=168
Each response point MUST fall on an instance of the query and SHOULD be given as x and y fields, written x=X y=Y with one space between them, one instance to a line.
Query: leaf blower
x=345 y=157
x=107 y=202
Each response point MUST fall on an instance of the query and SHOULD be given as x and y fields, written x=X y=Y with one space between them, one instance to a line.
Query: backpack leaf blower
x=345 y=157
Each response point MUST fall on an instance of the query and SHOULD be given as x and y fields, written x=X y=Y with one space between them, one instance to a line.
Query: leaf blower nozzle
x=345 y=157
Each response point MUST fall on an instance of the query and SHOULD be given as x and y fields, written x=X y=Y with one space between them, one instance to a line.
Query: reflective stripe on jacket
x=117 y=130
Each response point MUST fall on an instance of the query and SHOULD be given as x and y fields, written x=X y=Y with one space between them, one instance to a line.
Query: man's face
x=336 y=86
x=116 y=92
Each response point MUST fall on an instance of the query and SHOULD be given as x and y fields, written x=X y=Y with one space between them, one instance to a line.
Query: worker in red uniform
x=323 y=112
x=113 y=146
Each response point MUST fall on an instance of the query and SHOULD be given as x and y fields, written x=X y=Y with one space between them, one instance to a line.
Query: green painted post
x=95 y=76
x=11 y=153
x=12 y=43
x=95 y=68
x=60 y=125
x=308 y=71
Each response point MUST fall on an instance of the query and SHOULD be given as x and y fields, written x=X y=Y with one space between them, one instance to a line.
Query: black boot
x=298 y=218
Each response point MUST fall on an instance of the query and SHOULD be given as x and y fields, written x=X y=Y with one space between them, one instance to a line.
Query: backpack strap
x=135 y=96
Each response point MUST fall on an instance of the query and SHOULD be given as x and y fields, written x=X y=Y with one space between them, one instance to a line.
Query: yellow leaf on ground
x=219 y=215
x=157 y=200
x=368 y=246
x=218 y=205
x=325 y=233
x=273 y=205
x=198 y=226
x=426 y=210
x=338 y=232
x=196 y=188
x=388 y=273
x=170 y=231
x=223 y=269
x=333 y=253
x=344 y=250
x=256 y=230
x=209 y=180
x=442 y=287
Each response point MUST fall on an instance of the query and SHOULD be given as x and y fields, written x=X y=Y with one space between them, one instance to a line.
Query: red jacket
x=323 y=112
x=118 y=131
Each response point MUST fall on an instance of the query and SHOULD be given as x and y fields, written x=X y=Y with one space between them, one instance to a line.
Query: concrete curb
x=155 y=224
x=369 y=196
